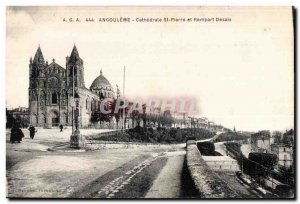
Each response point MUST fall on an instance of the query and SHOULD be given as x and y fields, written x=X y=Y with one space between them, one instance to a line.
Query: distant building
x=260 y=142
x=216 y=128
x=202 y=122
x=184 y=121
x=18 y=115
x=284 y=154
x=181 y=120
x=288 y=137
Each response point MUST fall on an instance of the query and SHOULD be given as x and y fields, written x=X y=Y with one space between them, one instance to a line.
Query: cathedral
x=51 y=88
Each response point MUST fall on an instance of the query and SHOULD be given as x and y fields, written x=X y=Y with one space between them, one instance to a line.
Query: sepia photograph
x=150 y=102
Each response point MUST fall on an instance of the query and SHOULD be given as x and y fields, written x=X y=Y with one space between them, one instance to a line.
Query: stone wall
x=206 y=181
x=98 y=145
x=221 y=163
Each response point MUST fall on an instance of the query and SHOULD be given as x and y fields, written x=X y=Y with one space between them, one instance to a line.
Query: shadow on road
x=188 y=189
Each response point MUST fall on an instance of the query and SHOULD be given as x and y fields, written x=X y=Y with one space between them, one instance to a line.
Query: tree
x=178 y=136
x=109 y=106
x=277 y=135
x=260 y=165
x=288 y=137
x=9 y=119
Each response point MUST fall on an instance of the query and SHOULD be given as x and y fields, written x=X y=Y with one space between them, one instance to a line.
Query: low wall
x=98 y=145
x=208 y=184
x=221 y=163
x=109 y=133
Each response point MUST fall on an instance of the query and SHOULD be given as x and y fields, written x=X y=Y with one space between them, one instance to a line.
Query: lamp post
x=76 y=113
x=77 y=140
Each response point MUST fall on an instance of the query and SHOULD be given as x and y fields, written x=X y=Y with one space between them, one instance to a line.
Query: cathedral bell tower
x=35 y=67
x=75 y=63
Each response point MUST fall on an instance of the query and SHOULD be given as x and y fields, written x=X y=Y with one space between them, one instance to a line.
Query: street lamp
x=76 y=113
x=77 y=140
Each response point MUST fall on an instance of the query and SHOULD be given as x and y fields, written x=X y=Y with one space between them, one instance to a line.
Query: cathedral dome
x=101 y=83
x=102 y=87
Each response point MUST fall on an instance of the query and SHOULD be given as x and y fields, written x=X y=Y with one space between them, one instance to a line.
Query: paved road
x=220 y=147
x=155 y=176
x=168 y=183
x=32 y=171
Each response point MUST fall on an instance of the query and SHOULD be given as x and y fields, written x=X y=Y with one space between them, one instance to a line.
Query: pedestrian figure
x=16 y=134
x=61 y=127
x=32 y=131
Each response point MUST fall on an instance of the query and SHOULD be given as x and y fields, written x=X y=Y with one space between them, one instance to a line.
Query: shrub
x=283 y=190
x=160 y=135
x=234 y=146
x=206 y=148
x=265 y=159
x=229 y=136
x=150 y=130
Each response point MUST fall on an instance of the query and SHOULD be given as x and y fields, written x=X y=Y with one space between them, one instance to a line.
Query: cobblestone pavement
x=119 y=183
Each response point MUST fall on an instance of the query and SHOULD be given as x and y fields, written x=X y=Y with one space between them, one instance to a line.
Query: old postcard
x=150 y=102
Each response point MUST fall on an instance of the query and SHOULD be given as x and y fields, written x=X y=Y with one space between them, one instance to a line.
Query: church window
x=86 y=104
x=54 y=98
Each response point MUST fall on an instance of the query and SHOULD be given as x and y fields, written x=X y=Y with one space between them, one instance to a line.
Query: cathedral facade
x=52 y=87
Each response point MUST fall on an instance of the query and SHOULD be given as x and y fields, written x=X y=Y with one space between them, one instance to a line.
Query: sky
x=240 y=72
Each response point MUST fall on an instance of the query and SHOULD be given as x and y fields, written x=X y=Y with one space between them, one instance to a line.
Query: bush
x=229 y=136
x=283 y=190
x=259 y=164
x=160 y=135
x=234 y=146
x=150 y=130
x=173 y=132
x=206 y=148
x=265 y=159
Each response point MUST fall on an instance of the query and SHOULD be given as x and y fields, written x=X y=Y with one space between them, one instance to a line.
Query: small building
x=181 y=120
x=284 y=154
x=260 y=142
